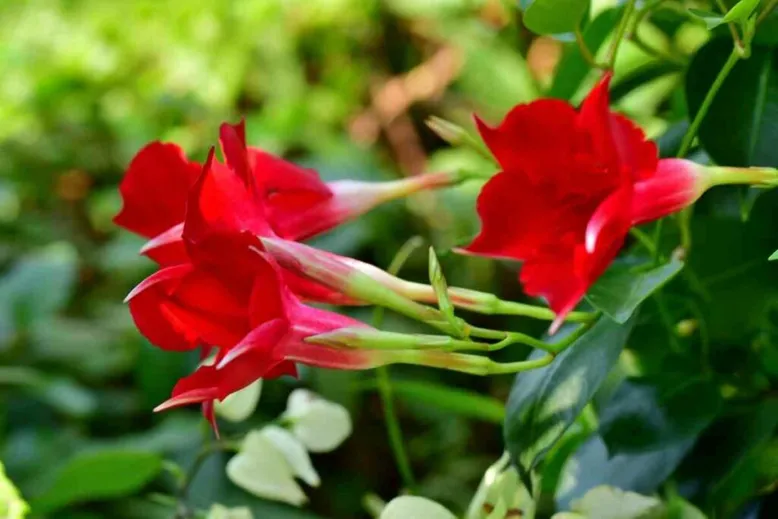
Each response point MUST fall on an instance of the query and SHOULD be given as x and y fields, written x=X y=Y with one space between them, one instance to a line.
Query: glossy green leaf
x=741 y=11
x=643 y=472
x=741 y=126
x=544 y=403
x=96 y=476
x=773 y=256
x=620 y=290
x=642 y=416
x=712 y=20
x=460 y=402
x=573 y=68
x=553 y=16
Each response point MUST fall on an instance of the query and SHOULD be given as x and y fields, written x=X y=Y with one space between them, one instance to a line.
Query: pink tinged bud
x=677 y=184
x=351 y=199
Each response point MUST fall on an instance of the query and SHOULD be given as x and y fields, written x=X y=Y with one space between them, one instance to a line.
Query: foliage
x=664 y=407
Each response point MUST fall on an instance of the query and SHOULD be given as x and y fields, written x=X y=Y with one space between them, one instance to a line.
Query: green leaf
x=740 y=11
x=620 y=290
x=641 y=416
x=36 y=287
x=773 y=256
x=553 y=16
x=712 y=20
x=456 y=401
x=438 y=282
x=573 y=68
x=96 y=476
x=643 y=472
x=544 y=403
x=741 y=125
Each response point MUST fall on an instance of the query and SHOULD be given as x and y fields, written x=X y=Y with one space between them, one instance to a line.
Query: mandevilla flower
x=296 y=202
x=571 y=186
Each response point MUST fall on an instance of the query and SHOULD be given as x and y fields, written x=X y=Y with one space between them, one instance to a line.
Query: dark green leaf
x=620 y=290
x=553 y=16
x=642 y=416
x=572 y=68
x=453 y=400
x=741 y=126
x=544 y=402
x=643 y=472
x=95 y=476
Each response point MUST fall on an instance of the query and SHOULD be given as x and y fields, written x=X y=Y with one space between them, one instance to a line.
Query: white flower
x=218 y=511
x=413 y=507
x=501 y=492
x=606 y=502
x=319 y=424
x=262 y=469
x=241 y=404
x=294 y=452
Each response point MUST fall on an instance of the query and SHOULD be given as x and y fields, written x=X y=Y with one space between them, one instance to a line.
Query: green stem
x=586 y=54
x=769 y=8
x=644 y=240
x=620 y=31
x=734 y=56
x=471 y=364
x=730 y=25
x=383 y=380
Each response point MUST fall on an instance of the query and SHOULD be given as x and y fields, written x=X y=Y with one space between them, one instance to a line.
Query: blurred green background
x=341 y=85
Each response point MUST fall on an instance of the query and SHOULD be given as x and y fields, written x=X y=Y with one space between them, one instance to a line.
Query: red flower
x=572 y=183
x=248 y=313
x=296 y=203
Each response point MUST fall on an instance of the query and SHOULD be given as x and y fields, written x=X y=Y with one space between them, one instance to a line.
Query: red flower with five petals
x=571 y=186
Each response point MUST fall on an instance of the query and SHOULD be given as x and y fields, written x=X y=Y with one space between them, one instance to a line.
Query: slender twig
x=586 y=54
x=393 y=430
x=686 y=143
x=619 y=34
x=731 y=25
x=769 y=8
x=644 y=240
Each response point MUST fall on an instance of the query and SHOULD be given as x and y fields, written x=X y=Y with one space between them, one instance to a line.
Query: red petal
x=534 y=138
x=595 y=118
x=154 y=189
x=518 y=218
x=167 y=248
x=178 y=308
x=220 y=203
x=276 y=177
x=637 y=154
x=233 y=142
x=261 y=342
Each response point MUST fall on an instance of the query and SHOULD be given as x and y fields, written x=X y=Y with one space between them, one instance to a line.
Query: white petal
x=294 y=452
x=321 y=425
x=261 y=469
x=218 y=511
x=241 y=404
x=606 y=502
x=414 y=507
